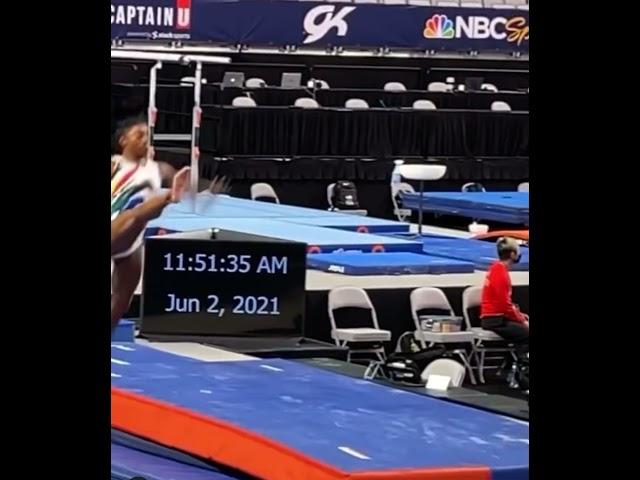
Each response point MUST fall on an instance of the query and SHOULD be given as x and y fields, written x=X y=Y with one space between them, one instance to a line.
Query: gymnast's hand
x=180 y=184
x=220 y=185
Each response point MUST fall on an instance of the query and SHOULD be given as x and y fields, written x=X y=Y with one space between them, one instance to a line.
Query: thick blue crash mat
x=229 y=207
x=319 y=239
x=507 y=207
x=357 y=263
x=480 y=254
x=281 y=420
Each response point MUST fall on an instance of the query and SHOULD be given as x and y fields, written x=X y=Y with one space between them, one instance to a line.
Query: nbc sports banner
x=285 y=22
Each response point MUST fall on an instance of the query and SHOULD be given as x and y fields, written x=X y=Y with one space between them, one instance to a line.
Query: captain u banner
x=308 y=24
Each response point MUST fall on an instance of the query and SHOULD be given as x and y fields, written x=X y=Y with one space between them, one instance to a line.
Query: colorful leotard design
x=131 y=184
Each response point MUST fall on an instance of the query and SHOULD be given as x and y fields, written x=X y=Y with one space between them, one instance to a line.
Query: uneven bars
x=167 y=57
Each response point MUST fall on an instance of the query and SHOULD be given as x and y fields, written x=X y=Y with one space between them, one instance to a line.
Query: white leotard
x=131 y=184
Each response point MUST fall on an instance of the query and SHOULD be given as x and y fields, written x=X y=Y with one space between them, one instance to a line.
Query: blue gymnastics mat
x=326 y=240
x=507 y=207
x=228 y=207
x=337 y=423
x=128 y=463
x=479 y=253
x=354 y=223
x=349 y=263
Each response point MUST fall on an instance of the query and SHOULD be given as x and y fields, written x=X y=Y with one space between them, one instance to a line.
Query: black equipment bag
x=407 y=363
x=345 y=196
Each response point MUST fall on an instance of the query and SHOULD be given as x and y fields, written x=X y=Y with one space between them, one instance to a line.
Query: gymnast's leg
x=127 y=226
x=124 y=280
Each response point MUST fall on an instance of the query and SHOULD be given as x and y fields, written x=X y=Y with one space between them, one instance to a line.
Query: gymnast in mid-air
x=137 y=198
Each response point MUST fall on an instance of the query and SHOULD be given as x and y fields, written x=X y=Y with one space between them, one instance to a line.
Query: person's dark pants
x=513 y=332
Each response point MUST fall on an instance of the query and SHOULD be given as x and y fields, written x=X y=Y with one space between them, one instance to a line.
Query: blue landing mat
x=354 y=223
x=127 y=463
x=349 y=423
x=507 y=207
x=229 y=207
x=480 y=254
x=386 y=264
x=327 y=240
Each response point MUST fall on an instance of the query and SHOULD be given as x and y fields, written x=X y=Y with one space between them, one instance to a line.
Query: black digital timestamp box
x=222 y=283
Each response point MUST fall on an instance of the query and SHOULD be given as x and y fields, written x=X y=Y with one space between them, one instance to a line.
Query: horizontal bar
x=166 y=57
x=173 y=137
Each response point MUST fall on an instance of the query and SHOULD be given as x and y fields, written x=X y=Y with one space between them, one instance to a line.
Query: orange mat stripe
x=223 y=442
x=460 y=473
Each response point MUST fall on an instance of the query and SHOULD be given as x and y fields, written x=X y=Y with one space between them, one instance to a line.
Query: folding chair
x=396 y=189
x=447 y=368
x=432 y=301
x=487 y=342
x=264 y=192
x=370 y=337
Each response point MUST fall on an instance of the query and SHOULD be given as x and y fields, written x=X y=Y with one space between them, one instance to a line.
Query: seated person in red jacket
x=497 y=311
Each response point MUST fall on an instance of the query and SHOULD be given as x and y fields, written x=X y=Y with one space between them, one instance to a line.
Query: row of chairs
x=359 y=104
x=474 y=345
x=257 y=82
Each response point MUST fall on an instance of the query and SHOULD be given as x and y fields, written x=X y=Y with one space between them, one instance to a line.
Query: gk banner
x=287 y=22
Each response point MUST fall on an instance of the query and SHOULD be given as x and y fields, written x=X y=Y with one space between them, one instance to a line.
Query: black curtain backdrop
x=381 y=133
x=303 y=180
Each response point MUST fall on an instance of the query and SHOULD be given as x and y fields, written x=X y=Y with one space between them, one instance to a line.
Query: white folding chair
x=305 y=102
x=255 y=83
x=396 y=189
x=445 y=367
x=500 y=106
x=487 y=342
x=371 y=337
x=395 y=87
x=264 y=191
x=243 y=102
x=523 y=187
x=356 y=103
x=424 y=105
x=438 y=87
x=473 y=187
x=488 y=87
x=431 y=300
x=317 y=83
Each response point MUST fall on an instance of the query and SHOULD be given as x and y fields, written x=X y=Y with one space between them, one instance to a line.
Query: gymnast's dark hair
x=122 y=128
